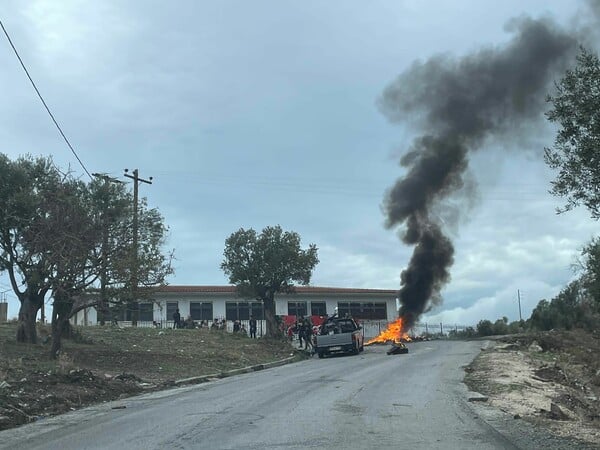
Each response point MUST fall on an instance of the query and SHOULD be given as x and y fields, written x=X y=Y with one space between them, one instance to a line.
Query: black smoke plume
x=458 y=104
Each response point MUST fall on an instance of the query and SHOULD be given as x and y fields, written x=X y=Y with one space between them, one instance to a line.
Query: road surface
x=370 y=401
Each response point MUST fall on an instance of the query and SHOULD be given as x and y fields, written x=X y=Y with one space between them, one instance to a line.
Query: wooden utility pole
x=519 y=298
x=134 y=269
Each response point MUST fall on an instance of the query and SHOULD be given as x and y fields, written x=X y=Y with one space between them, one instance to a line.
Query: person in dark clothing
x=301 y=331
x=176 y=319
x=252 y=327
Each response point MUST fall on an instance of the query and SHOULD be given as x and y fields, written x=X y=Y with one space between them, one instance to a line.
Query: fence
x=373 y=328
x=260 y=325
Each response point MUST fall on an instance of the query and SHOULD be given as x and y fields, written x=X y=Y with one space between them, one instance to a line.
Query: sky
x=252 y=114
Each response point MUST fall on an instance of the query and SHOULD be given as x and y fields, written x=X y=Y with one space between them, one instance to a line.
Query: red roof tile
x=298 y=289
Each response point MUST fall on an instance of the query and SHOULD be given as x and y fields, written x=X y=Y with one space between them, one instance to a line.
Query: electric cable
x=42 y=100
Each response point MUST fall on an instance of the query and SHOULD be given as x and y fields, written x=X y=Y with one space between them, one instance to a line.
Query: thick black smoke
x=457 y=104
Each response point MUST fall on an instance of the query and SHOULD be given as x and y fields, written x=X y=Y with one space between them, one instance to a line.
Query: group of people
x=238 y=327
x=217 y=324
x=188 y=323
x=303 y=327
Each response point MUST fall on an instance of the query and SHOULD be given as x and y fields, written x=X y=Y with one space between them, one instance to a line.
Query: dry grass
x=88 y=368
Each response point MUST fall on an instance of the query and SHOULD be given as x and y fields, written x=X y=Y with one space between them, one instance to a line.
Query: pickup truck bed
x=339 y=335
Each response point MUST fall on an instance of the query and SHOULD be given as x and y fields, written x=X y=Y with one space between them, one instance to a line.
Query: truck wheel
x=320 y=355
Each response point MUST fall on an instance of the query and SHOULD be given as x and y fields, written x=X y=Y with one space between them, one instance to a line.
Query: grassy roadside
x=107 y=363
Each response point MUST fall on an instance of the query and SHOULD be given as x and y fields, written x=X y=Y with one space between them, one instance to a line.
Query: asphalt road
x=370 y=401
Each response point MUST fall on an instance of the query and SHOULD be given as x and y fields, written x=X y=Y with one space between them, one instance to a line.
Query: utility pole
x=519 y=298
x=103 y=307
x=134 y=270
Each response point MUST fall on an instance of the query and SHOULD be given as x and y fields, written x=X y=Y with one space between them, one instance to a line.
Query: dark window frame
x=146 y=311
x=363 y=310
x=201 y=310
x=318 y=308
x=242 y=310
x=171 y=307
x=297 y=309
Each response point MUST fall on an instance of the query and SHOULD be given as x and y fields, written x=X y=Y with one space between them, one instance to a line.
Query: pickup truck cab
x=339 y=335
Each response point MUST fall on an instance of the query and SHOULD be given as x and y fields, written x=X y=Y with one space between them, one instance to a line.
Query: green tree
x=27 y=188
x=153 y=265
x=567 y=310
x=262 y=265
x=58 y=235
x=69 y=236
x=500 y=327
x=541 y=316
x=576 y=151
x=100 y=248
x=590 y=271
x=518 y=326
x=485 y=328
x=467 y=333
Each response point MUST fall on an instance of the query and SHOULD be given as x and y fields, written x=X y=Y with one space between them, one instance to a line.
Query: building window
x=201 y=310
x=242 y=310
x=318 y=309
x=125 y=311
x=297 y=309
x=257 y=310
x=171 y=308
x=363 y=310
x=146 y=312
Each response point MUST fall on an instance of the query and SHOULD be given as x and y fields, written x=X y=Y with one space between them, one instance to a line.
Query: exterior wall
x=332 y=299
x=330 y=296
x=85 y=317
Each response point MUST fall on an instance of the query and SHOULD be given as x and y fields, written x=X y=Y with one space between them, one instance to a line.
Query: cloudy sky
x=249 y=114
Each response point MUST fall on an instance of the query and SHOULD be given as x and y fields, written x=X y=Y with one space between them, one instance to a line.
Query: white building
x=221 y=302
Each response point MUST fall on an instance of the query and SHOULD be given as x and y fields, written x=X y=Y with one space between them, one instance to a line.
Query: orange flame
x=394 y=333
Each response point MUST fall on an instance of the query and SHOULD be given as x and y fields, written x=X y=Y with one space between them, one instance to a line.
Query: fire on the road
x=395 y=332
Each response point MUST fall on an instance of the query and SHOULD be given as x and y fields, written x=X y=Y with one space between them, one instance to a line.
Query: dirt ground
x=550 y=379
x=108 y=363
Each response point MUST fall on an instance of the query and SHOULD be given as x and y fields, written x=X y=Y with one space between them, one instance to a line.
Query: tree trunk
x=269 y=308
x=135 y=313
x=61 y=311
x=26 y=330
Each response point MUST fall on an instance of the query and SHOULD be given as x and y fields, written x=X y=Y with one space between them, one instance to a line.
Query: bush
x=485 y=328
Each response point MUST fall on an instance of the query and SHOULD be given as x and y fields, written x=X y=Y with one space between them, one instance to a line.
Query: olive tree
x=27 y=187
x=576 y=150
x=60 y=236
x=262 y=265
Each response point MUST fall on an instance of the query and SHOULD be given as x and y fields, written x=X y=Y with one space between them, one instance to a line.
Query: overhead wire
x=43 y=101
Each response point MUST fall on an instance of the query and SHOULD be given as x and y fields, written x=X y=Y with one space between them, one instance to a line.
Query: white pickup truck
x=339 y=335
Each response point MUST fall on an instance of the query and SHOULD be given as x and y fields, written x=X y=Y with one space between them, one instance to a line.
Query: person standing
x=308 y=332
x=252 y=327
x=176 y=319
x=301 y=331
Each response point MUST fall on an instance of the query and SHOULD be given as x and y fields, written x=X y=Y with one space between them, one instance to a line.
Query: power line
x=42 y=99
